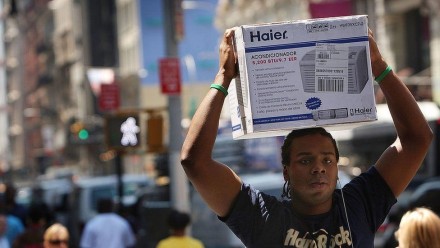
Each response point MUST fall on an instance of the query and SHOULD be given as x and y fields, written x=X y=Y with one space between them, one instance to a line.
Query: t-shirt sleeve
x=249 y=213
x=370 y=197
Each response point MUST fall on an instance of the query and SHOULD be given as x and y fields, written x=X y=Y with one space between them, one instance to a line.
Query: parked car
x=427 y=195
x=24 y=195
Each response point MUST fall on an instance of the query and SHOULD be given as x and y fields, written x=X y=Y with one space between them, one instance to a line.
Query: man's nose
x=318 y=168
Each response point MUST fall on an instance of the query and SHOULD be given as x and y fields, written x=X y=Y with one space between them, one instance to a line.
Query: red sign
x=109 y=97
x=169 y=75
x=330 y=8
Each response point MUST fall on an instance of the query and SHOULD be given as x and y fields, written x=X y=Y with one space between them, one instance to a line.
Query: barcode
x=331 y=84
x=323 y=55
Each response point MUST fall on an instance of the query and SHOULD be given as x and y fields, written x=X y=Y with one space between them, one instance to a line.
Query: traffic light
x=122 y=131
x=155 y=133
x=78 y=133
x=84 y=132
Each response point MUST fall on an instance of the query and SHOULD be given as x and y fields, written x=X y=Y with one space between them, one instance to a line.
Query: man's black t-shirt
x=261 y=220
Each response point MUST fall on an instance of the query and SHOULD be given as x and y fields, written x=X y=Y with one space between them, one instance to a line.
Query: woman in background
x=419 y=228
x=56 y=235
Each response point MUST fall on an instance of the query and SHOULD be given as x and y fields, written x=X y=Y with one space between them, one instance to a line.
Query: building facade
x=50 y=48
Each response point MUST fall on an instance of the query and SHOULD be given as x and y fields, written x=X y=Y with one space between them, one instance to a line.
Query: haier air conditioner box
x=300 y=74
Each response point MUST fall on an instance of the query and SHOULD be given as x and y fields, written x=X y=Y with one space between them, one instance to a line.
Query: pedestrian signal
x=122 y=131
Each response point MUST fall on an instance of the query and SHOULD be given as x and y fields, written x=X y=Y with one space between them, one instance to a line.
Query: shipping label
x=331 y=68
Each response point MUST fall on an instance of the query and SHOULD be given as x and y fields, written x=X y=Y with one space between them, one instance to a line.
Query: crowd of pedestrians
x=36 y=226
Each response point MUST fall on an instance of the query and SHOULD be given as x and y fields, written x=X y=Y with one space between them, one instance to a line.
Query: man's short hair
x=105 y=205
x=297 y=133
x=178 y=220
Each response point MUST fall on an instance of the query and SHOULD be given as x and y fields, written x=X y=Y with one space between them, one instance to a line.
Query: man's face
x=312 y=172
x=57 y=239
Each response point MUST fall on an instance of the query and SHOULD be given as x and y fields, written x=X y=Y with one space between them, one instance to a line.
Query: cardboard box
x=302 y=74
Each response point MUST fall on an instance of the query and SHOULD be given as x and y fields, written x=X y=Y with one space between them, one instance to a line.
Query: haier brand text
x=361 y=111
x=260 y=36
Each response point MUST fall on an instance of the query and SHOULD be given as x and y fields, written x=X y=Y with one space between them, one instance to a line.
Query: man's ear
x=285 y=174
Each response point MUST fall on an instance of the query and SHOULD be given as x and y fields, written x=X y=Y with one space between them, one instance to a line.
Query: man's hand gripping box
x=302 y=74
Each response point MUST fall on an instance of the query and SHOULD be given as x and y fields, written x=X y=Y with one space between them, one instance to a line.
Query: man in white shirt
x=107 y=229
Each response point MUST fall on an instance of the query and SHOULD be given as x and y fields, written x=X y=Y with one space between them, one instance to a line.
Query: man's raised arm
x=400 y=162
x=217 y=184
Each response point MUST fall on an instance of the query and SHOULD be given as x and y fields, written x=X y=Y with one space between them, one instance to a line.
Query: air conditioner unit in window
x=357 y=75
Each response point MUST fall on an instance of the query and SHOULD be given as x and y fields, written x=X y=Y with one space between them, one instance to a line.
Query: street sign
x=109 y=97
x=169 y=76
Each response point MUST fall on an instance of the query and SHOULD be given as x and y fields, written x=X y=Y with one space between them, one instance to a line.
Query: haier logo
x=361 y=111
x=268 y=36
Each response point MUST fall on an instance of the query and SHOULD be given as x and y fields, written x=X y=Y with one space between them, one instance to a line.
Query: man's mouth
x=318 y=184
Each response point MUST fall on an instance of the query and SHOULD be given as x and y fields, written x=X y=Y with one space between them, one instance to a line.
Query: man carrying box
x=315 y=214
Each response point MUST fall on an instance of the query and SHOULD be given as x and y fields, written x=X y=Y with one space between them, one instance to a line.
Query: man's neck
x=178 y=233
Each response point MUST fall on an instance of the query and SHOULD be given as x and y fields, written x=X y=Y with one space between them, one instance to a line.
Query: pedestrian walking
x=56 y=236
x=178 y=222
x=419 y=228
x=107 y=229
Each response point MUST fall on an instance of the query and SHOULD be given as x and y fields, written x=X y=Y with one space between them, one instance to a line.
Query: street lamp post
x=179 y=188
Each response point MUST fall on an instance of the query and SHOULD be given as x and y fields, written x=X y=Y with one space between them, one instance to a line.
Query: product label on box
x=331 y=68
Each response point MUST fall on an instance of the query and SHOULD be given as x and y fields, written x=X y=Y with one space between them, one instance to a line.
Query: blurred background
x=71 y=71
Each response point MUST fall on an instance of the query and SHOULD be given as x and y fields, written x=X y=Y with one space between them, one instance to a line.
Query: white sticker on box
x=331 y=68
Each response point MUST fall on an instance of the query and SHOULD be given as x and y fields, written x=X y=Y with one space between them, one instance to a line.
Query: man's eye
x=305 y=161
x=328 y=161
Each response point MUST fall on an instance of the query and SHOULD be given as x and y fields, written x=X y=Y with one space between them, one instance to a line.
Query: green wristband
x=220 y=88
x=383 y=74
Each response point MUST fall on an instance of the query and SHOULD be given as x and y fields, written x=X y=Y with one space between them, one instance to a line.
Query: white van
x=88 y=191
